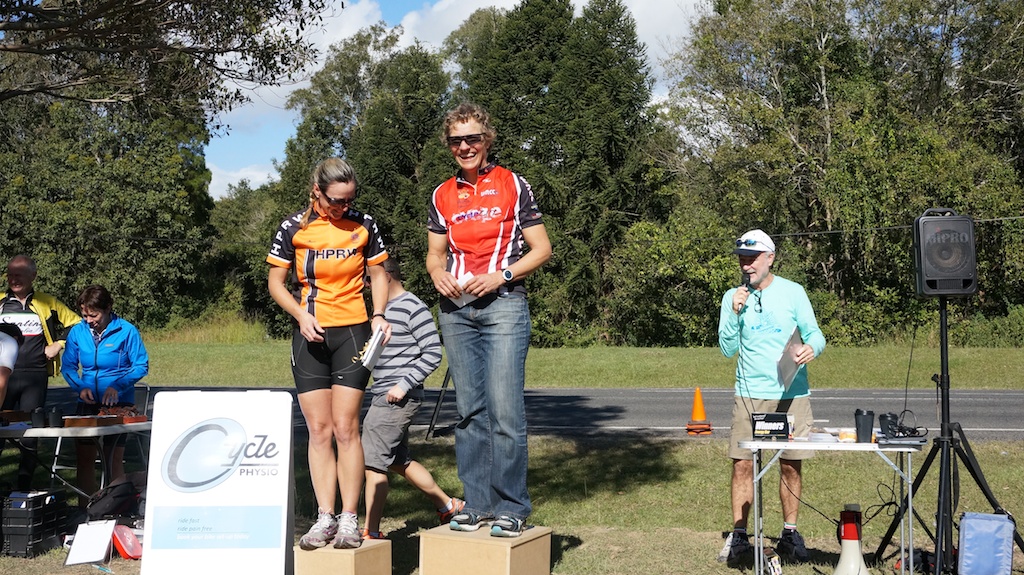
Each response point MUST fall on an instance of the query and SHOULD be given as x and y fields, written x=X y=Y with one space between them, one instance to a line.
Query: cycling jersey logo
x=477 y=215
x=27 y=321
x=334 y=253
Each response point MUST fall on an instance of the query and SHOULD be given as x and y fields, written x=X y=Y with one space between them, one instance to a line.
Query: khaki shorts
x=385 y=436
x=742 y=428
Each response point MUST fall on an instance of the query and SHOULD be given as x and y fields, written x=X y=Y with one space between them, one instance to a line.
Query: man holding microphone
x=756 y=321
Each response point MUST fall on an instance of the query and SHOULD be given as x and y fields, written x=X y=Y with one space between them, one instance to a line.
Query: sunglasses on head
x=748 y=243
x=471 y=139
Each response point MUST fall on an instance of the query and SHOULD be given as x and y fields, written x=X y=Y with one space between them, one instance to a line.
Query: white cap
x=753 y=243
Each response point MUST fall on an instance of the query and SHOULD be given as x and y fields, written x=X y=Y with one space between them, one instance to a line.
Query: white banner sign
x=219 y=483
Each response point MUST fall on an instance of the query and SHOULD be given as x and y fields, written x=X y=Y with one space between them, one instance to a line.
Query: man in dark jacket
x=44 y=322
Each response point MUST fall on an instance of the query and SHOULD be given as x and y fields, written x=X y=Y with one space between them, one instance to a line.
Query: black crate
x=32 y=523
x=51 y=527
x=20 y=502
x=36 y=518
x=29 y=545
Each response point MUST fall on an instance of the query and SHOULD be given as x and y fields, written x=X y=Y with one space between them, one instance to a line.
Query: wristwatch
x=506 y=274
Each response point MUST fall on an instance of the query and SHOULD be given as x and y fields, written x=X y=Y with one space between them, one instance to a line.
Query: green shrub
x=980 y=331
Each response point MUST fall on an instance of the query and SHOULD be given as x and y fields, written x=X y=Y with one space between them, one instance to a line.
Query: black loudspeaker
x=944 y=253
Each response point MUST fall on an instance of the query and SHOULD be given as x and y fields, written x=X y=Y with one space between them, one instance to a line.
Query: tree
x=467 y=42
x=991 y=72
x=246 y=220
x=668 y=280
x=332 y=106
x=152 y=49
x=97 y=196
x=831 y=124
x=594 y=134
x=398 y=155
x=512 y=73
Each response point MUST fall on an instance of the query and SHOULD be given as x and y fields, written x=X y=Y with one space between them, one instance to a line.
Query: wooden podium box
x=373 y=557
x=447 y=552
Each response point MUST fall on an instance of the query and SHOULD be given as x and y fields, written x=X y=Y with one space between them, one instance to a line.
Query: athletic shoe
x=446 y=516
x=320 y=533
x=736 y=545
x=791 y=545
x=367 y=534
x=468 y=521
x=348 y=536
x=506 y=526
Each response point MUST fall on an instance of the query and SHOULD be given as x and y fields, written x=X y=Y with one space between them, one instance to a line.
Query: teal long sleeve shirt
x=759 y=334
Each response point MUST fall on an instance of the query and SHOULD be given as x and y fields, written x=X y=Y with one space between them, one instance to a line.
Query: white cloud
x=256 y=174
x=342 y=24
x=660 y=25
x=433 y=23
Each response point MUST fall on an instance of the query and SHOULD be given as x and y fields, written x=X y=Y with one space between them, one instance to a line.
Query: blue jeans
x=486 y=351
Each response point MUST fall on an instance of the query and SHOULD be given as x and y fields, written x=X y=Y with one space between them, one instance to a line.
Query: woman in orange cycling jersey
x=328 y=247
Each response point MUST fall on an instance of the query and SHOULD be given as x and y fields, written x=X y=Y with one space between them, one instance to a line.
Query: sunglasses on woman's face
x=470 y=139
x=338 y=201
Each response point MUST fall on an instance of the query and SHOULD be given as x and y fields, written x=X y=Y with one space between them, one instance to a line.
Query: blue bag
x=986 y=544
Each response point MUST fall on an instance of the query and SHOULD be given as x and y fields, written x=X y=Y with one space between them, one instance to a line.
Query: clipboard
x=92 y=543
x=787 y=365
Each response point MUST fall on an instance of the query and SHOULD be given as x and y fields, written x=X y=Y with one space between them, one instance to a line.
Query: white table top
x=25 y=429
x=761 y=445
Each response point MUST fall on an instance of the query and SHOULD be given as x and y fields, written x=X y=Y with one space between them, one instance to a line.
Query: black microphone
x=746 y=282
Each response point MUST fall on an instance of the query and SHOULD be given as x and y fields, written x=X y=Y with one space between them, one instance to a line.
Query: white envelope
x=465 y=298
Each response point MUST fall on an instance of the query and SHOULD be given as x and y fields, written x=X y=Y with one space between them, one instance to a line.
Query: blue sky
x=258 y=130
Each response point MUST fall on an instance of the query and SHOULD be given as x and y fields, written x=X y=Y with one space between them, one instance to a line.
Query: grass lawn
x=886 y=367
x=636 y=504
x=644 y=505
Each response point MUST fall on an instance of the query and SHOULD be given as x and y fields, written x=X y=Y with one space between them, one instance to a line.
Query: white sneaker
x=348 y=536
x=320 y=533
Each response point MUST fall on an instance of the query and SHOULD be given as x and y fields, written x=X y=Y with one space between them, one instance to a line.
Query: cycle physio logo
x=212 y=451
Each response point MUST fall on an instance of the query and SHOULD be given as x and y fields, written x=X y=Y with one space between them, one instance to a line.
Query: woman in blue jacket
x=103 y=360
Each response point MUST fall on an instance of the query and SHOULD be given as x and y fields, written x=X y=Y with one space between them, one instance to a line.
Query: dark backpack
x=121 y=498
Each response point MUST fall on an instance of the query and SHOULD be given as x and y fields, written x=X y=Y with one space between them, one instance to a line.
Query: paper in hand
x=374 y=347
x=787 y=365
x=465 y=298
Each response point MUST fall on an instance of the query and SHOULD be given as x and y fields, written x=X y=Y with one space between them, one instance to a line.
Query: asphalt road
x=984 y=415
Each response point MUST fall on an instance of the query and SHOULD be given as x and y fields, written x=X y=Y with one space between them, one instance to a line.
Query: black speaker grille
x=948 y=256
x=944 y=254
x=950 y=284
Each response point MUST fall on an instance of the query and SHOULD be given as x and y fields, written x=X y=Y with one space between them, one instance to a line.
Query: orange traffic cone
x=698 y=424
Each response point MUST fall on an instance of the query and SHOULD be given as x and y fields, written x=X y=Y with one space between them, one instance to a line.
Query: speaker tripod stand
x=945 y=447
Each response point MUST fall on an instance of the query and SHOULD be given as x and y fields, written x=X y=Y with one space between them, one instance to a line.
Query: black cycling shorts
x=334 y=361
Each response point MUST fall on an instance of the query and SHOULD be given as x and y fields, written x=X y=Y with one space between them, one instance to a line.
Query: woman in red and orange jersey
x=480 y=224
x=328 y=247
